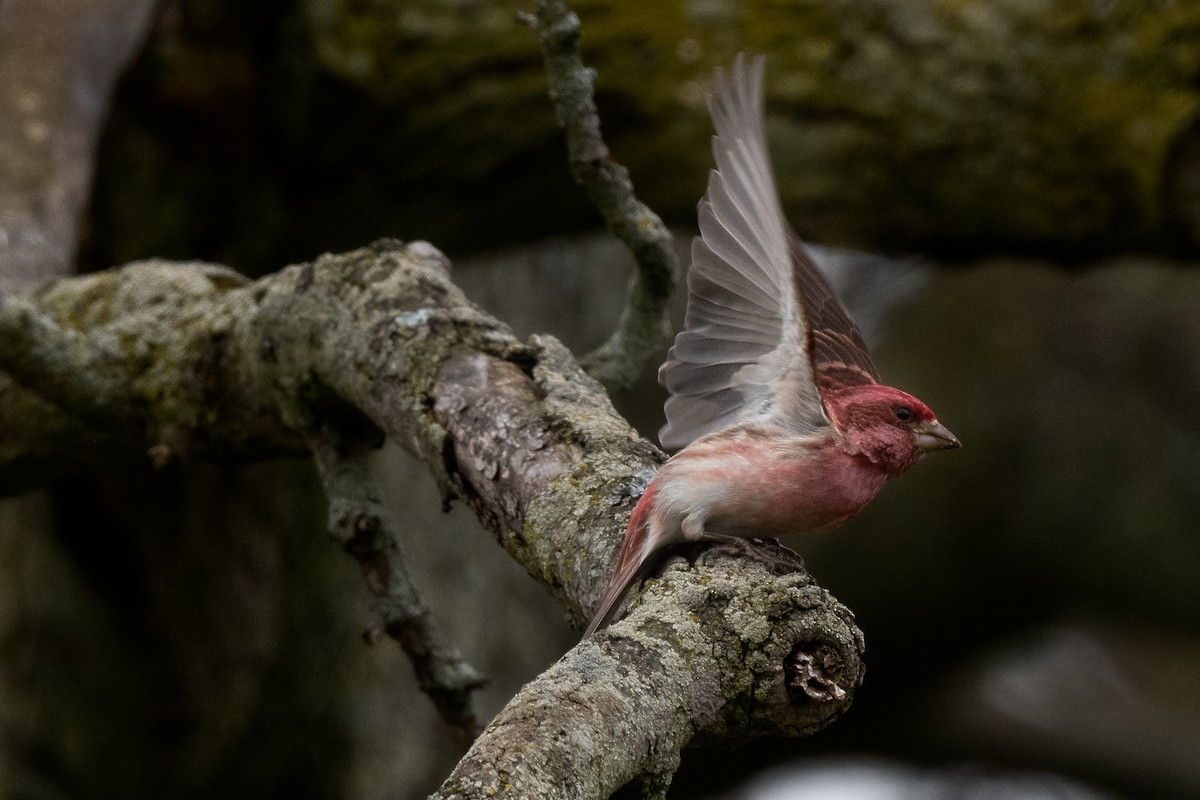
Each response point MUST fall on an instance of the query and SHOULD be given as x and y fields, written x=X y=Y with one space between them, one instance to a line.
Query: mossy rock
x=1064 y=128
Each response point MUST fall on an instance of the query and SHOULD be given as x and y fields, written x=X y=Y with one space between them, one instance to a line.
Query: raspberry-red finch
x=773 y=396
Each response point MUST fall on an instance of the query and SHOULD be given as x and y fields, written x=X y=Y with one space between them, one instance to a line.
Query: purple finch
x=774 y=397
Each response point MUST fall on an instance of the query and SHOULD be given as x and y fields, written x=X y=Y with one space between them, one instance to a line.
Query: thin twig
x=645 y=327
x=74 y=370
x=360 y=523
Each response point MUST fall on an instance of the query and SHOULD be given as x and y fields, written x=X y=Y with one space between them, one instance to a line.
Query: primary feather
x=764 y=333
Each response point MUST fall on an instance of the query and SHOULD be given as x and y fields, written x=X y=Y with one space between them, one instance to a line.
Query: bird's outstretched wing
x=836 y=348
x=764 y=334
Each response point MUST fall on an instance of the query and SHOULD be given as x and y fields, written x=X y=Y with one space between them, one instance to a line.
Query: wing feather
x=743 y=339
x=764 y=334
x=838 y=351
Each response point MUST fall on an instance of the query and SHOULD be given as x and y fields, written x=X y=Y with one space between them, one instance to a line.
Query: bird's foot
x=779 y=560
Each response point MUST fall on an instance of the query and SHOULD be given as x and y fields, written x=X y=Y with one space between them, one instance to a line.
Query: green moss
x=935 y=127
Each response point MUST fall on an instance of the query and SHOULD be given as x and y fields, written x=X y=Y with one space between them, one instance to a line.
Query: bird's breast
x=763 y=489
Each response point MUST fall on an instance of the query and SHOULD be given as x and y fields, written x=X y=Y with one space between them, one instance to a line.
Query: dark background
x=1032 y=170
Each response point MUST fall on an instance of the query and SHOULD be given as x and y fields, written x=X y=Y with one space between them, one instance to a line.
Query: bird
x=774 y=404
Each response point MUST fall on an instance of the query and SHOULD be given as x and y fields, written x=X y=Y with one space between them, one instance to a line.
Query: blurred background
x=1007 y=190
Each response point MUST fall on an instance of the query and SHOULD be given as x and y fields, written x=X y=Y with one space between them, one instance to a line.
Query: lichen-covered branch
x=709 y=656
x=361 y=524
x=379 y=342
x=644 y=328
x=81 y=373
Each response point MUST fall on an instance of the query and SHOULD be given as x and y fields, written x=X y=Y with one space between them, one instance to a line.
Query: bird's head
x=888 y=427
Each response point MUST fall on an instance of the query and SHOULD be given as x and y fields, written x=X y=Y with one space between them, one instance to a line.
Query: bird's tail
x=636 y=547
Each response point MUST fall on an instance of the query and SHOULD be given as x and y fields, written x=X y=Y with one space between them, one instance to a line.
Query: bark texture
x=193 y=361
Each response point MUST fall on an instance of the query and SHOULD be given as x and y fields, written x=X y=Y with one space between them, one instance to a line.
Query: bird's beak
x=933 y=435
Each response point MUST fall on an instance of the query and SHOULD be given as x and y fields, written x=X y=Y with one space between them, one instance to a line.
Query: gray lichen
x=336 y=354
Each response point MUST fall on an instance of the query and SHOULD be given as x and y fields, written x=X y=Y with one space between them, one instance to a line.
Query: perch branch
x=380 y=342
x=644 y=328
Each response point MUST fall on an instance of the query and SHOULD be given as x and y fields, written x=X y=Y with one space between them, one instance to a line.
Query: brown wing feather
x=839 y=354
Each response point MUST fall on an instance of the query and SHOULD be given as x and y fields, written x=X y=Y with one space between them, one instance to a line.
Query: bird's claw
x=779 y=560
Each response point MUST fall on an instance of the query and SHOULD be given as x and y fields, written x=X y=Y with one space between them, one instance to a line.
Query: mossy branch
x=359 y=522
x=644 y=328
x=332 y=356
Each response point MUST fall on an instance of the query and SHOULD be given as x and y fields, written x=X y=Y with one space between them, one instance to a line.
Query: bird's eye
x=903 y=413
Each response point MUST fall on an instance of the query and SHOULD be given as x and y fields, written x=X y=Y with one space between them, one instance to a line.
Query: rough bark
x=379 y=342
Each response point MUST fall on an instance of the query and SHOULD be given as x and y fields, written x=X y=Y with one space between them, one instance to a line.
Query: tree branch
x=645 y=327
x=360 y=523
x=80 y=372
x=379 y=341
x=707 y=657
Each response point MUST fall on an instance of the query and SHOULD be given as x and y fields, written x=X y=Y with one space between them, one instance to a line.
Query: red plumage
x=773 y=395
